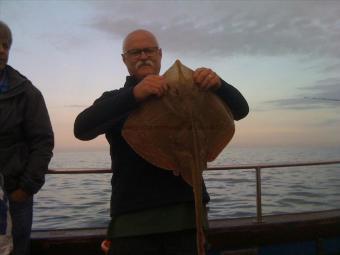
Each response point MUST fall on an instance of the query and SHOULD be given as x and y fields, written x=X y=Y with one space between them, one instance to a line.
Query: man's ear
x=123 y=57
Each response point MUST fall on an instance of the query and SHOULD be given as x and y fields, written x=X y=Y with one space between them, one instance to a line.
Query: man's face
x=4 y=52
x=142 y=55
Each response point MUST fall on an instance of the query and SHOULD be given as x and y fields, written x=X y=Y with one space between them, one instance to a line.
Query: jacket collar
x=131 y=81
x=15 y=82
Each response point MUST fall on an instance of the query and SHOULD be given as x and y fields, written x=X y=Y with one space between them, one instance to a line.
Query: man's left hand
x=19 y=195
x=206 y=78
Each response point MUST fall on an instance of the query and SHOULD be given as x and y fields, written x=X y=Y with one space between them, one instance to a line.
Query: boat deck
x=224 y=235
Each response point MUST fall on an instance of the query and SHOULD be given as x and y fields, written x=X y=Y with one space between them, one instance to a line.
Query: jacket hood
x=16 y=82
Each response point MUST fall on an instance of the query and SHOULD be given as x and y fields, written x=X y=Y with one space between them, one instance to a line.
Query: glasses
x=136 y=53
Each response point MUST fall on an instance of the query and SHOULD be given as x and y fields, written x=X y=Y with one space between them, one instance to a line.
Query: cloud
x=331 y=67
x=323 y=94
x=304 y=103
x=326 y=88
x=271 y=28
x=330 y=122
x=306 y=30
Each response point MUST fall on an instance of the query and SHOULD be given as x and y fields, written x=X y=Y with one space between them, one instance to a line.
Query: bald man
x=152 y=210
x=26 y=143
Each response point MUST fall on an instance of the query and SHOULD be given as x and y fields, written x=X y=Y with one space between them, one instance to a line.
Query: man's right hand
x=151 y=85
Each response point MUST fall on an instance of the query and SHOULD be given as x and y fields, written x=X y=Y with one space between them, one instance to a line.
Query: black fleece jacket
x=136 y=184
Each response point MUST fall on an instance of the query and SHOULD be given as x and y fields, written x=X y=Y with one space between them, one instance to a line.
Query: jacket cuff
x=30 y=187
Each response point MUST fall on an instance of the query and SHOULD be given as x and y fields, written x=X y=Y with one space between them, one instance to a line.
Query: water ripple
x=75 y=201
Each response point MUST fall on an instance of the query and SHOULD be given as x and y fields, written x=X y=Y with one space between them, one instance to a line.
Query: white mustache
x=146 y=62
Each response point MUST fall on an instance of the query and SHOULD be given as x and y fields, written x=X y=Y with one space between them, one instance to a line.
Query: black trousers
x=172 y=243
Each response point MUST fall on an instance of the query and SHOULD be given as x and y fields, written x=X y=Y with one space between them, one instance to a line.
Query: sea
x=82 y=200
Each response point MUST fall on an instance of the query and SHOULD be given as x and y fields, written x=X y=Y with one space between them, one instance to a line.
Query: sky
x=283 y=56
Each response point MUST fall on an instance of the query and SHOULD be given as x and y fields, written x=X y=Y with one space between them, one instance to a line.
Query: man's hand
x=150 y=85
x=19 y=195
x=206 y=78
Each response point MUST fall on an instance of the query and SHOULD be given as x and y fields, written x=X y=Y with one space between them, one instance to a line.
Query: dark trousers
x=21 y=213
x=172 y=243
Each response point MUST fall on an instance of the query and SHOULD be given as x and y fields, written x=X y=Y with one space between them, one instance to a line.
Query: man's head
x=141 y=54
x=5 y=44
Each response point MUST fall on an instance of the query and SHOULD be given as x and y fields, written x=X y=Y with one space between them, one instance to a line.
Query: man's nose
x=143 y=55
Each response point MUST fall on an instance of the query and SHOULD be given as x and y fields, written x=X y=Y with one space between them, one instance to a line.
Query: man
x=152 y=210
x=26 y=143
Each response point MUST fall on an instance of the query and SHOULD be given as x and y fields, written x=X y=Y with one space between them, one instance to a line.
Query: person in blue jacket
x=26 y=143
x=152 y=210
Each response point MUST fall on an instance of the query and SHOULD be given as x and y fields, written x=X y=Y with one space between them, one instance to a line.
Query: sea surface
x=82 y=200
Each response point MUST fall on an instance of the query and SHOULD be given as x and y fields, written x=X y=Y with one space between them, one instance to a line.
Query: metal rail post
x=258 y=195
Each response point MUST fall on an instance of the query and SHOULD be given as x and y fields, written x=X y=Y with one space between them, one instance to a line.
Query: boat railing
x=256 y=167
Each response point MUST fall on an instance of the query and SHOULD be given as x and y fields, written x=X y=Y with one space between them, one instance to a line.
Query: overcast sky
x=282 y=55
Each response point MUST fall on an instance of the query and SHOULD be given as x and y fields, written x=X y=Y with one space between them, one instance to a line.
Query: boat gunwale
x=215 y=225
